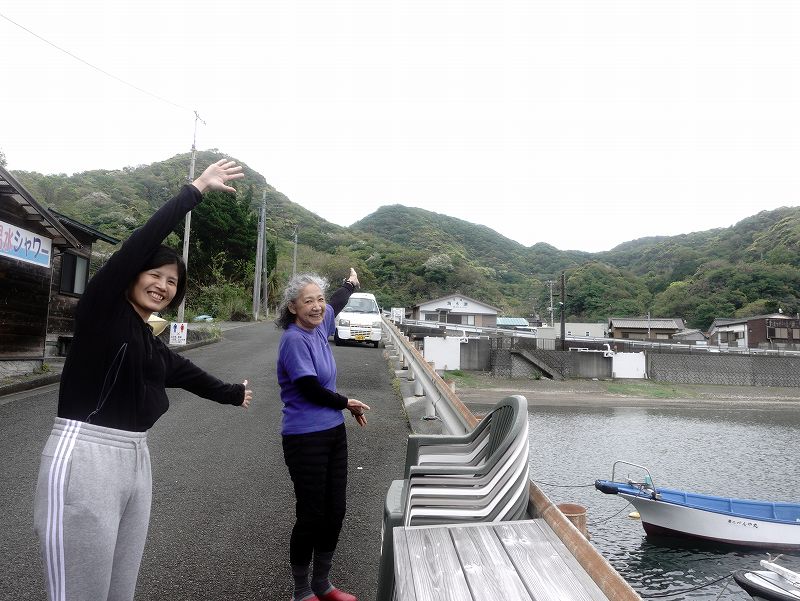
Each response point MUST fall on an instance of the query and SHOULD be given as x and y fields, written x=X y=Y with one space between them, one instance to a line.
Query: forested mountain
x=406 y=255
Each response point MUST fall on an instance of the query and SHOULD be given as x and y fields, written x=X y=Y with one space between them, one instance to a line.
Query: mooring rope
x=686 y=590
x=600 y=521
x=563 y=485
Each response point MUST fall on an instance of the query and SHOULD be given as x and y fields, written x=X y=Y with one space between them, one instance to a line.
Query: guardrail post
x=430 y=397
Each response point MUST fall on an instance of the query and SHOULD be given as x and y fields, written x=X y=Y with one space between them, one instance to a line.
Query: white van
x=359 y=320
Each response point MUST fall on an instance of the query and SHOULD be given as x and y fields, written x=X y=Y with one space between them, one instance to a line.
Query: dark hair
x=164 y=255
x=292 y=291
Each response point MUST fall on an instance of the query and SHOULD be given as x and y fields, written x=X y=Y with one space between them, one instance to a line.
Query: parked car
x=360 y=320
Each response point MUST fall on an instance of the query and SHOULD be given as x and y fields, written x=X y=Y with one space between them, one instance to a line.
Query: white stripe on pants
x=91 y=511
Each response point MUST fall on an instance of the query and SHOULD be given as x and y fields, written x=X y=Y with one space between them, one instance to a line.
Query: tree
x=3 y=161
x=222 y=224
x=596 y=291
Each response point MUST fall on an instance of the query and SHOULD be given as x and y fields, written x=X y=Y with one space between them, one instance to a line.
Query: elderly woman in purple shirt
x=314 y=437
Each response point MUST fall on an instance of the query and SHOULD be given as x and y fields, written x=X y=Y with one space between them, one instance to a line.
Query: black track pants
x=317 y=463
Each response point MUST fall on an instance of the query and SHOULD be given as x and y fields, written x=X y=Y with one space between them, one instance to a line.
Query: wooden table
x=508 y=561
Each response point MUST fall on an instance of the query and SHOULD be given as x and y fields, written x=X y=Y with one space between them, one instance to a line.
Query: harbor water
x=739 y=451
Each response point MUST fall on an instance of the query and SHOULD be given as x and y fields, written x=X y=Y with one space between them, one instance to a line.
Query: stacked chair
x=481 y=476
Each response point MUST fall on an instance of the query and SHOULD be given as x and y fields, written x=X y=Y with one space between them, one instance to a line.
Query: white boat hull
x=659 y=517
x=767 y=585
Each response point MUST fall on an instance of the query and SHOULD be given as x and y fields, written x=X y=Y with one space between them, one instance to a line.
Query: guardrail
x=440 y=401
x=629 y=343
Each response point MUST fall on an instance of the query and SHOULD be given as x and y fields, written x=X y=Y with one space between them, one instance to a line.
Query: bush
x=236 y=309
x=224 y=301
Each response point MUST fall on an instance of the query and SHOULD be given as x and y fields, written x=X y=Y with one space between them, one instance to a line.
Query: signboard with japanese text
x=177 y=333
x=26 y=246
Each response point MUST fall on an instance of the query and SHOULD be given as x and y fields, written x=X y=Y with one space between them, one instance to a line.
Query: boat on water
x=672 y=512
x=773 y=583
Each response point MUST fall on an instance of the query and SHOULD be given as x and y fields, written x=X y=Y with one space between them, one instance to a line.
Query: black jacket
x=116 y=371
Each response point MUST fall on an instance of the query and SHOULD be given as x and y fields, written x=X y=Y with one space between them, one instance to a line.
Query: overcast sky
x=580 y=123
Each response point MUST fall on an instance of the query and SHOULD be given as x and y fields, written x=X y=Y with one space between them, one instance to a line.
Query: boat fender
x=606 y=487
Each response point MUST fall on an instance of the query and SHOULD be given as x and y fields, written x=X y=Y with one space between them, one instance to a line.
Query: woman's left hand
x=357 y=409
x=353 y=279
x=217 y=175
x=248 y=396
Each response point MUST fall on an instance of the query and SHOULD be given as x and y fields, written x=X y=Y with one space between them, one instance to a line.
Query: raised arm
x=124 y=265
x=340 y=297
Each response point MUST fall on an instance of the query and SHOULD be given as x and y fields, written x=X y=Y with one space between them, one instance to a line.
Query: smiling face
x=154 y=289
x=309 y=307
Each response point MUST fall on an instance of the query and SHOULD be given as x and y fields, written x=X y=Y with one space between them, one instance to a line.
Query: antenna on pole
x=188 y=225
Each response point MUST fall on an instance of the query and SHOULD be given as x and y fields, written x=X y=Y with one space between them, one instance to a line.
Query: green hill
x=407 y=255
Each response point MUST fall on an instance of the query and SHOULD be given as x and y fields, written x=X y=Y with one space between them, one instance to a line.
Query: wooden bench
x=508 y=561
x=479 y=477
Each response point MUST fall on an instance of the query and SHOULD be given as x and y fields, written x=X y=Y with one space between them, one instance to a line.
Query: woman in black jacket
x=93 y=495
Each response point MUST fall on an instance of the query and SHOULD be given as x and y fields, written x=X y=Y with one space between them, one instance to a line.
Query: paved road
x=222 y=498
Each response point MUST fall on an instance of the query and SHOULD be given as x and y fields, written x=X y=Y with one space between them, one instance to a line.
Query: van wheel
x=336 y=339
x=376 y=343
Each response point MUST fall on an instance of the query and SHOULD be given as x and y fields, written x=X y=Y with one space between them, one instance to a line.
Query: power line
x=88 y=64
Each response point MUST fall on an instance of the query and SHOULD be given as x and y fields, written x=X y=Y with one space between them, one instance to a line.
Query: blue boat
x=742 y=522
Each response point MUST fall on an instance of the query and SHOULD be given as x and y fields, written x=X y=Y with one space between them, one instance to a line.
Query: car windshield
x=361 y=305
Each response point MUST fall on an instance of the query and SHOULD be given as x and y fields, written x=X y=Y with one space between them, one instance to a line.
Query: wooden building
x=644 y=328
x=35 y=244
x=70 y=275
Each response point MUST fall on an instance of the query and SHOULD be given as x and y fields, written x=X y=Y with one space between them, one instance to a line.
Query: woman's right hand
x=357 y=408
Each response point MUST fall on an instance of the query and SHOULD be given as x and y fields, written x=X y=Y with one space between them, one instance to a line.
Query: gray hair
x=292 y=291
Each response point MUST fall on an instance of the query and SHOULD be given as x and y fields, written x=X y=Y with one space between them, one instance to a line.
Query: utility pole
x=563 y=306
x=259 y=257
x=294 y=259
x=265 y=272
x=188 y=225
x=550 y=283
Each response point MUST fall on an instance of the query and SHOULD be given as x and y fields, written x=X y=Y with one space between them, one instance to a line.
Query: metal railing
x=440 y=401
x=618 y=344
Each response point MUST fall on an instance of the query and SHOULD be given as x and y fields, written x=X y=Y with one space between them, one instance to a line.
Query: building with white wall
x=457 y=309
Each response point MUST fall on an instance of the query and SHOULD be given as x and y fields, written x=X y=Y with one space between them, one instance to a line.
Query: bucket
x=577 y=515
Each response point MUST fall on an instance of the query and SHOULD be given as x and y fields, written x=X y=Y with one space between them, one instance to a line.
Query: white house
x=584 y=329
x=456 y=309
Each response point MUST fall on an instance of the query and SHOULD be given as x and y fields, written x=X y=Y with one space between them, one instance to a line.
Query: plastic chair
x=481 y=476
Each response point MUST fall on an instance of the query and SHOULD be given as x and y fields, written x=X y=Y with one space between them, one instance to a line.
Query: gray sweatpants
x=91 y=511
